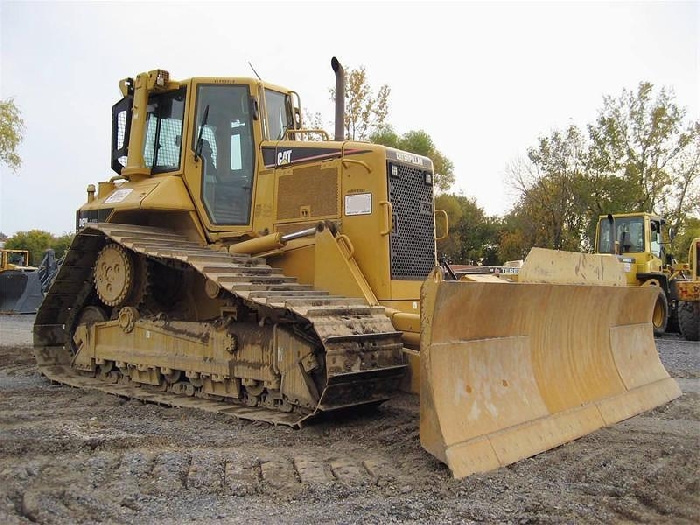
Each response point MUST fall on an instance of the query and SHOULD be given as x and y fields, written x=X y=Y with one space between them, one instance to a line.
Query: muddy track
x=73 y=456
x=361 y=350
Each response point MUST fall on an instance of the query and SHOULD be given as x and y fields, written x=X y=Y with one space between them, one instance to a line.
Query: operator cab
x=626 y=235
x=205 y=130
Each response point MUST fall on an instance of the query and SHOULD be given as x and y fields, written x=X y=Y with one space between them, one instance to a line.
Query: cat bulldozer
x=640 y=240
x=236 y=265
x=689 y=296
x=20 y=284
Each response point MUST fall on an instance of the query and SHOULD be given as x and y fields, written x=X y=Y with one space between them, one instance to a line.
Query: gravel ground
x=72 y=456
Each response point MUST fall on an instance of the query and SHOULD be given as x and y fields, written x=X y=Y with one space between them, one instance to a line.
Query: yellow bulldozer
x=232 y=265
x=689 y=296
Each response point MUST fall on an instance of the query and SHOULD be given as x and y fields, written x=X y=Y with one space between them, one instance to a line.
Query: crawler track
x=361 y=350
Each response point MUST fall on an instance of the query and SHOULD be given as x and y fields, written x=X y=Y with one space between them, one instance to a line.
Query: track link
x=348 y=329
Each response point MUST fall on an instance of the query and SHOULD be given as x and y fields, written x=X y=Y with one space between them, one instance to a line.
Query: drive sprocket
x=118 y=279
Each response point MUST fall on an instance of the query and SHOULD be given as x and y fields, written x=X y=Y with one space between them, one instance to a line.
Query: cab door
x=221 y=158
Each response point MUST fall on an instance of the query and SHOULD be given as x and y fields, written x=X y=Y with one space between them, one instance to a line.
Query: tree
x=642 y=139
x=681 y=243
x=451 y=246
x=11 y=134
x=684 y=197
x=473 y=237
x=37 y=242
x=365 y=119
x=311 y=121
x=365 y=112
x=386 y=136
x=639 y=155
x=420 y=143
x=512 y=244
x=553 y=203
x=61 y=244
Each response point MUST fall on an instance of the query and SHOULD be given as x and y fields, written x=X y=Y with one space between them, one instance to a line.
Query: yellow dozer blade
x=509 y=370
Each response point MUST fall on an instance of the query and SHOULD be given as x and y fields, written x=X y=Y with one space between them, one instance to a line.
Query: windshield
x=629 y=232
x=162 y=146
x=227 y=152
x=17 y=257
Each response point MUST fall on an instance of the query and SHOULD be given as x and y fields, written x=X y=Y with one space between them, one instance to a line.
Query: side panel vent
x=308 y=192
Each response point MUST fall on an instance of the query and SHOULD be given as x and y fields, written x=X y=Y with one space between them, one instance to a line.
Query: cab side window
x=278 y=117
x=162 y=145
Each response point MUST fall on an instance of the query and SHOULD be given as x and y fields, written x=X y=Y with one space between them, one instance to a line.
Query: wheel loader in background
x=638 y=238
x=232 y=266
x=20 y=284
x=689 y=296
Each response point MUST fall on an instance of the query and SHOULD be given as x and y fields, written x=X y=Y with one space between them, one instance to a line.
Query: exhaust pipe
x=339 y=99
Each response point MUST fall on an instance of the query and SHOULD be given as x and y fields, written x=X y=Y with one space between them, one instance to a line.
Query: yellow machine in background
x=15 y=260
x=231 y=266
x=689 y=296
x=639 y=239
x=20 y=285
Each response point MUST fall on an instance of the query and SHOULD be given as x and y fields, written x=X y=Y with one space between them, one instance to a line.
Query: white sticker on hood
x=359 y=204
x=118 y=195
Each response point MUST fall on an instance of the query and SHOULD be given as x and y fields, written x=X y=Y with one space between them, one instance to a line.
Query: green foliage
x=62 y=243
x=555 y=203
x=365 y=112
x=386 y=136
x=681 y=243
x=639 y=155
x=473 y=237
x=450 y=247
x=642 y=140
x=512 y=244
x=11 y=134
x=37 y=242
x=420 y=143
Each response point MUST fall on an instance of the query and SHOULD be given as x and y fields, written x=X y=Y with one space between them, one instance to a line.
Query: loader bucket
x=20 y=292
x=509 y=370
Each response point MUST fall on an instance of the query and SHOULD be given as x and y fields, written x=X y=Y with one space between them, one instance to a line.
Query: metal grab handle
x=348 y=162
x=389 y=216
x=290 y=133
x=344 y=239
x=447 y=224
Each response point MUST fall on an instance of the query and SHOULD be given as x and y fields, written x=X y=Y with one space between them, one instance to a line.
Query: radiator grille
x=412 y=236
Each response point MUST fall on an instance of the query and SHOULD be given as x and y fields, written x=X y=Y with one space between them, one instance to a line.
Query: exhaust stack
x=339 y=99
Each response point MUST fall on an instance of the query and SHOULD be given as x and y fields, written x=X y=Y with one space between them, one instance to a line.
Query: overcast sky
x=483 y=79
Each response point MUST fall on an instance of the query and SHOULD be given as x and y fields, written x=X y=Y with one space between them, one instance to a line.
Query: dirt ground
x=72 y=456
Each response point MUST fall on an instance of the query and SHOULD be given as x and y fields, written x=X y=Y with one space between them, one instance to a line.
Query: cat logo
x=409 y=157
x=284 y=157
